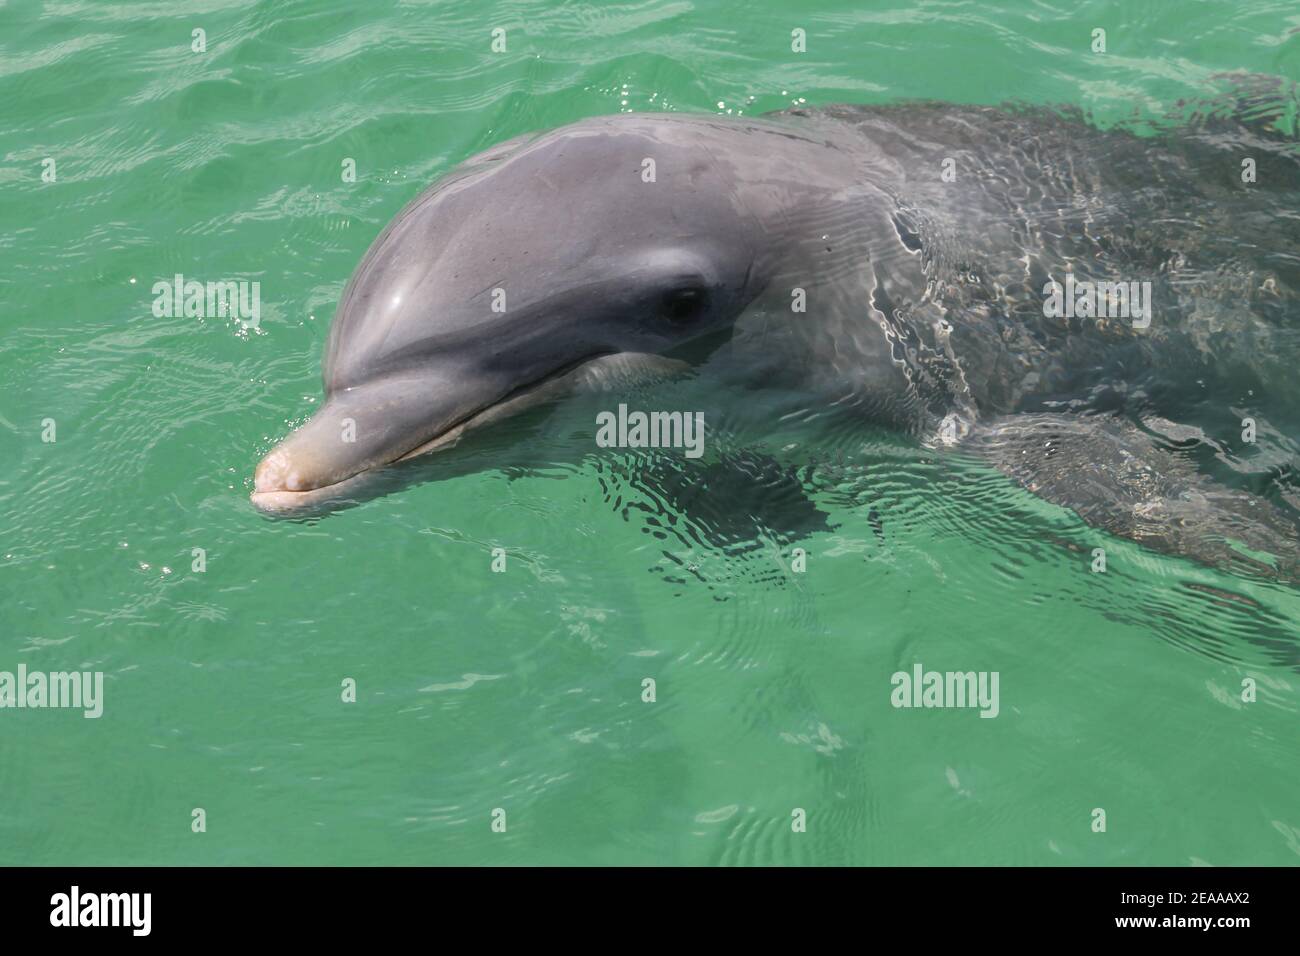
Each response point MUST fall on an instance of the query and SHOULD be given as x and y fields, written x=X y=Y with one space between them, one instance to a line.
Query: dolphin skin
x=1010 y=283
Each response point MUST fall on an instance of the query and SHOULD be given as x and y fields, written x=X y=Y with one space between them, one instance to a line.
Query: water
x=522 y=691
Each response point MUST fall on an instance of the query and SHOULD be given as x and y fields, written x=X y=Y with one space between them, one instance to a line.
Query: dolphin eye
x=685 y=305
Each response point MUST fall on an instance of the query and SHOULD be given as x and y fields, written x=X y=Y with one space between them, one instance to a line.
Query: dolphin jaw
x=279 y=486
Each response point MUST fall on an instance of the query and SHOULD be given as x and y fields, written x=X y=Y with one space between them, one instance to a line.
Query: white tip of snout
x=276 y=473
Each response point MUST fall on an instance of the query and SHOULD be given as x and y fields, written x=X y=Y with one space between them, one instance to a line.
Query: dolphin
x=896 y=263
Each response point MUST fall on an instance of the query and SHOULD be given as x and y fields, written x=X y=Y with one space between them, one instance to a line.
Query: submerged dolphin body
x=892 y=262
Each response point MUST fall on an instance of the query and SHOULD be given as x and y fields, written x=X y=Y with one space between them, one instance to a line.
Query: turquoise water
x=522 y=691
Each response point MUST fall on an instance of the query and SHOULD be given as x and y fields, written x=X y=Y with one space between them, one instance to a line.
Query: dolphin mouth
x=274 y=481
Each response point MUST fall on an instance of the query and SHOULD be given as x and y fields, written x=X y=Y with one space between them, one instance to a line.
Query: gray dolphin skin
x=891 y=262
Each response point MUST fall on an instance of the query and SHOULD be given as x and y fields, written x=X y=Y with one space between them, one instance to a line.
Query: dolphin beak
x=361 y=429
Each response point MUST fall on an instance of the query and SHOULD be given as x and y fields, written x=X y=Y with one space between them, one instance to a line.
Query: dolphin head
x=525 y=267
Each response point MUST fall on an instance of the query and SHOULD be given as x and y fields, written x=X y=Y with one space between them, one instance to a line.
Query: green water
x=523 y=690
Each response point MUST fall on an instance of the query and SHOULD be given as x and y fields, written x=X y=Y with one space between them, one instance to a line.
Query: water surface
x=523 y=690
